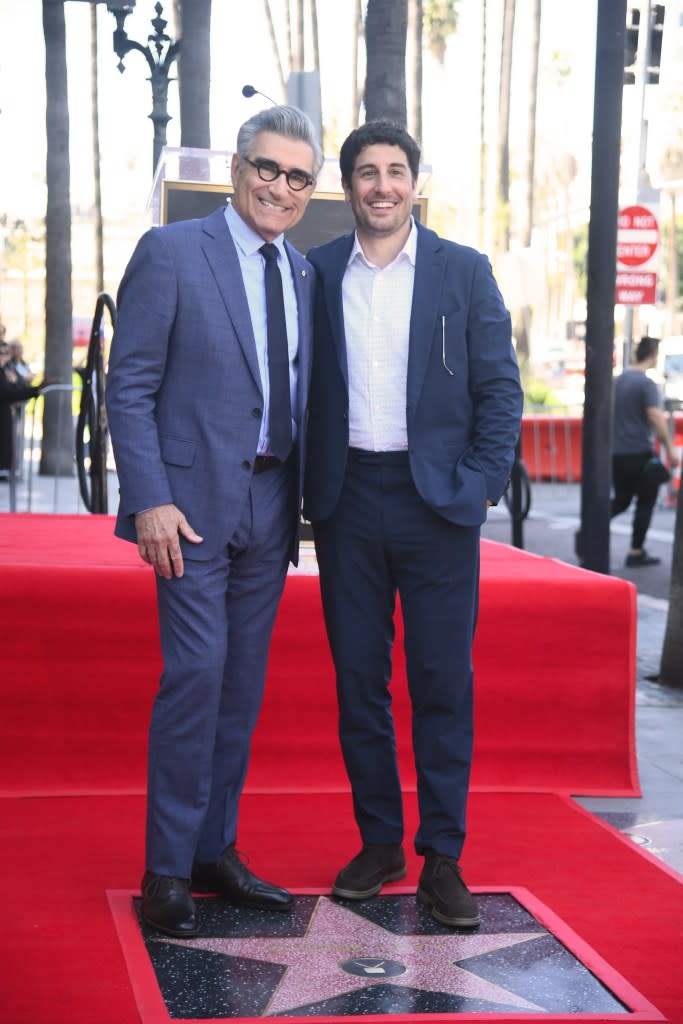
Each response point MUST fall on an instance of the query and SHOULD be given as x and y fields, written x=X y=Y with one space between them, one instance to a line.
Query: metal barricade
x=54 y=493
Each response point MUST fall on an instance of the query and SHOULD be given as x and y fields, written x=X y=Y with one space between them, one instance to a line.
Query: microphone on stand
x=249 y=91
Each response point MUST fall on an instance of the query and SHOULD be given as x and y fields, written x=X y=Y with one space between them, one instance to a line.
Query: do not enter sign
x=637 y=241
x=637 y=236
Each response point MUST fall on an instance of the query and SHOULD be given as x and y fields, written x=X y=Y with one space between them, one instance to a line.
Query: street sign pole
x=596 y=474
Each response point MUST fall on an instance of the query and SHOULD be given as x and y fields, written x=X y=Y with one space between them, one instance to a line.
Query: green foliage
x=665 y=269
x=537 y=392
x=440 y=20
x=580 y=256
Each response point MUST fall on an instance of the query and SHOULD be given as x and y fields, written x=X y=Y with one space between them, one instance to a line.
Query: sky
x=242 y=54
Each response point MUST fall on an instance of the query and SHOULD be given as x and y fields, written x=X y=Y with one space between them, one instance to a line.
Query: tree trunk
x=356 y=98
x=298 y=36
x=57 y=456
x=194 y=74
x=672 y=291
x=95 y=107
x=415 y=23
x=315 y=36
x=523 y=335
x=386 y=28
x=671 y=668
x=276 y=51
x=503 y=168
x=483 y=155
x=531 y=120
x=290 y=40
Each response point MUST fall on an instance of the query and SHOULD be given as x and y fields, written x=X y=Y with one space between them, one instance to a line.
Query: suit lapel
x=223 y=260
x=301 y=275
x=430 y=264
x=333 y=278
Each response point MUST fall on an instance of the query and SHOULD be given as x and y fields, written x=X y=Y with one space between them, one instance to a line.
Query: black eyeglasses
x=269 y=170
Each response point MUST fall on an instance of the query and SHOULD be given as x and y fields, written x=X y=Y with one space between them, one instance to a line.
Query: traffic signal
x=655 y=47
x=631 y=45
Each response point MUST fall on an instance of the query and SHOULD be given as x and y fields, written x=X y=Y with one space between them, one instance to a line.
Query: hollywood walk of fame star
x=433 y=963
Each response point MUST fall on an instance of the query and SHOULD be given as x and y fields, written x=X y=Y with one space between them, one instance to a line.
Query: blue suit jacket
x=183 y=391
x=462 y=427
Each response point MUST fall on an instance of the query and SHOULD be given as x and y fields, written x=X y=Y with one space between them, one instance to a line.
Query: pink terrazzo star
x=336 y=934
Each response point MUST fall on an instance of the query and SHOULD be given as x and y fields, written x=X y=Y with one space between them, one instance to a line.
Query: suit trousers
x=215 y=627
x=382 y=539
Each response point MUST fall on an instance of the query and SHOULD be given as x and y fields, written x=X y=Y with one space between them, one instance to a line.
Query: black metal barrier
x=517 y=497
x=91 y=426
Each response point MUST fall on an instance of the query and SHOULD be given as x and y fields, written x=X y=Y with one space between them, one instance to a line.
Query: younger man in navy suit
x=413 y=419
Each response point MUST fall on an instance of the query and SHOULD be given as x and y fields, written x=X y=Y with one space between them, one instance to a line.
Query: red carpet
x=554 y=662
x=62 y=961
x=555 y=658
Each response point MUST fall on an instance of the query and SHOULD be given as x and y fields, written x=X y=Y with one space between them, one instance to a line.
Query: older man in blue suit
x=207 y=396
x=413 y=420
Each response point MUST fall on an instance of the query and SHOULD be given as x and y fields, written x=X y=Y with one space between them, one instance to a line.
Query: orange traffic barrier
x=551 y=447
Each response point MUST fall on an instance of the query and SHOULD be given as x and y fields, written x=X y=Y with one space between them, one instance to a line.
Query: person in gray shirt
x=637 y=416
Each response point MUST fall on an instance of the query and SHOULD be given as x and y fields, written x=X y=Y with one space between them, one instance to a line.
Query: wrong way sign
x=637 y=248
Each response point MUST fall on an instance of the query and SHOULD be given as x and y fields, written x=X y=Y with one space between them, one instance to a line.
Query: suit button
x=246 y=464
x=257 y=413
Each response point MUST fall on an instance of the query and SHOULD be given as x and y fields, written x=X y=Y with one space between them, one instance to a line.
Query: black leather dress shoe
x=167 y=905
x=230 y=878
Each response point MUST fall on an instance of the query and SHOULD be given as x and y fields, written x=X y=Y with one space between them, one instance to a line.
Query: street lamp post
x=159 y=54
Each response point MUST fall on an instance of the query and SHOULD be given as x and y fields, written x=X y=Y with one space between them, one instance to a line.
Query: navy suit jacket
x=463 y=426
x=183 y=393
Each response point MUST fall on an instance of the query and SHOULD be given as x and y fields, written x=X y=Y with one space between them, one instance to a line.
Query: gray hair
x=282 y=120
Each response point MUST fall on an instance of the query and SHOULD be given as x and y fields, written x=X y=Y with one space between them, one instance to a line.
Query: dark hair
x=647 y=347
x=374 y=133
x=281 y=120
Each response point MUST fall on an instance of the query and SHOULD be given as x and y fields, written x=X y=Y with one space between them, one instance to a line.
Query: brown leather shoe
x=230 y=878
x=442 y=889
x=365 y=875
x=167 y=905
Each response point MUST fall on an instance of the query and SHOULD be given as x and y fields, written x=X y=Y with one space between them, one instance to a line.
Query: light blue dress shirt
x=252 y=263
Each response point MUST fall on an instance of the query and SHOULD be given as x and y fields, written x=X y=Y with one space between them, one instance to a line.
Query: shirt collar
x=245 y=238
x=408 y=252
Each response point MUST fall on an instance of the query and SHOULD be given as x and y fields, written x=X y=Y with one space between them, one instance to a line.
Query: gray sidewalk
x=656 y=820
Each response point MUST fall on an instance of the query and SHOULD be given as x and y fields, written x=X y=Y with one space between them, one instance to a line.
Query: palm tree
x=483 y=155
x=273 y=43
x=531 y=120
x=57 y=448
x=356 y=92
x=503 y=155
x=415 y=29
x=386 y=28
x=194 y=73
x=523 y=348
x=94 y=106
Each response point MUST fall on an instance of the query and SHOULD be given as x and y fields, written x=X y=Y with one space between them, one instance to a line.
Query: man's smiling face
x=381 y=191
x=271 y=207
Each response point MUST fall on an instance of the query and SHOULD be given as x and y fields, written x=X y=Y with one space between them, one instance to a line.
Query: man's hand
x=158 y=543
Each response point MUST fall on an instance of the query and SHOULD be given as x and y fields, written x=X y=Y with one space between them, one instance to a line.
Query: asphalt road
x=554 y=518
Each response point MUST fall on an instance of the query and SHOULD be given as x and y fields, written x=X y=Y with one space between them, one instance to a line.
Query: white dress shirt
x=252 y=263
x=377 y=305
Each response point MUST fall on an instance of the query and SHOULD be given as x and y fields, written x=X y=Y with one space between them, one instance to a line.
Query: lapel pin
x=303 y=273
